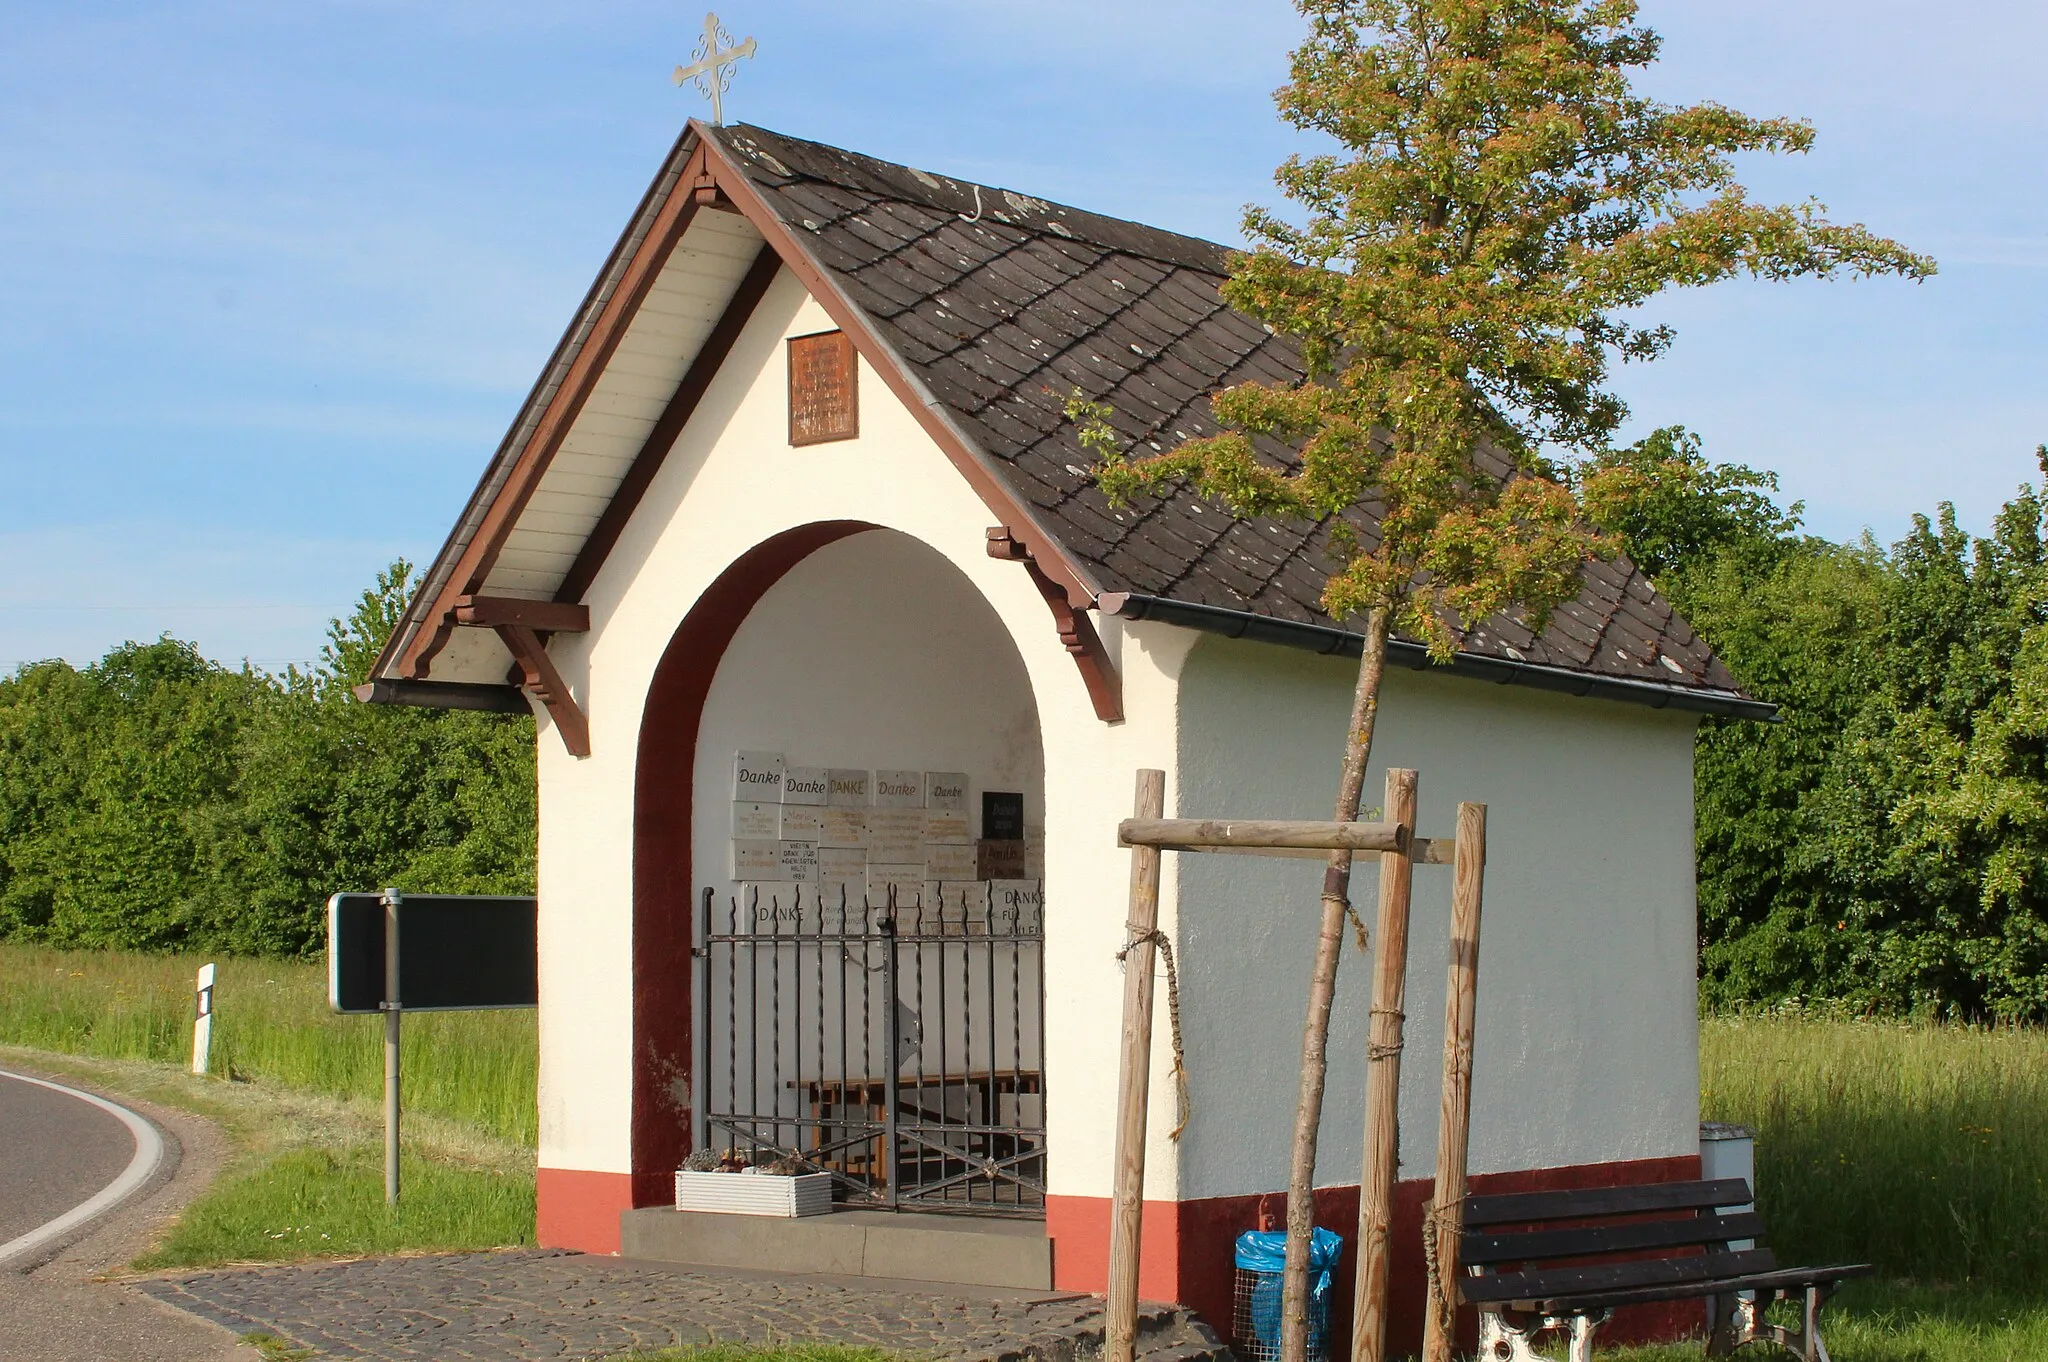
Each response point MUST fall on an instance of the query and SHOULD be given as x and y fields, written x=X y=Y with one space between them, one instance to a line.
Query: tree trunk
x=1315 y=1032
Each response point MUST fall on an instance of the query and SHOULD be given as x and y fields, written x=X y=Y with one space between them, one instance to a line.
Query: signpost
x=437 y=953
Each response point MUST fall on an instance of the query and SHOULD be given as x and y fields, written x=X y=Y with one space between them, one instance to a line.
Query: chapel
x=842 y=666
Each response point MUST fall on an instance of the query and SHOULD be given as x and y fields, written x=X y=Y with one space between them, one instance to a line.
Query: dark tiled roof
x=1003 y=305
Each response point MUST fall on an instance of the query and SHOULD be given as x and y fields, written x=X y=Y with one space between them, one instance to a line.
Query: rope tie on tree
x=1434 y=1219
x=1183 y=1107
x=1357 y=923
x=1375 y=1051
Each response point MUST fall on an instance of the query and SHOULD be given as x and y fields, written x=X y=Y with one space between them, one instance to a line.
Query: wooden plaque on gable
x=824 y=391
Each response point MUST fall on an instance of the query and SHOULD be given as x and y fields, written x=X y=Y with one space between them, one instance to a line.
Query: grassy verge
x=272 y=1026
x=304 y=1105
x=1923 y=1148
x=1920 y=1147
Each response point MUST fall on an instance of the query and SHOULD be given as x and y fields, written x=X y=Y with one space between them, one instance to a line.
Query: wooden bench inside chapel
x=1539 y=1261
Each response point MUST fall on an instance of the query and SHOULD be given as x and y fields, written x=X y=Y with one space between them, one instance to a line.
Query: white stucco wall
x=1586 y=1025
x=1586 y=1041
x=731 y=481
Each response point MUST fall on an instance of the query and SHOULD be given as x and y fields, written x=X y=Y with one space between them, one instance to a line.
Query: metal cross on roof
x=715 y=53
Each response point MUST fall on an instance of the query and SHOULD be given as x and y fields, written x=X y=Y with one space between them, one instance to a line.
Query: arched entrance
x=850 y=648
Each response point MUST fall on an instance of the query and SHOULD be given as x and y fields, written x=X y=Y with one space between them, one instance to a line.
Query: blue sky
x=274 y=278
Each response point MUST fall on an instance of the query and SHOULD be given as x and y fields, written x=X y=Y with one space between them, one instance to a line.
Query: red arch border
x=662 y=811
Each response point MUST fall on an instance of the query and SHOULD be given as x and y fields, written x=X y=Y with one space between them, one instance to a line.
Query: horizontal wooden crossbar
x=1221 y=834
x=1278 y=837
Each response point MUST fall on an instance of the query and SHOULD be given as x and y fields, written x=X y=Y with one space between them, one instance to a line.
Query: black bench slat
x=1480 y=1248
x=1798 y=1278
x=1560 y=1283
x=1524 y=1208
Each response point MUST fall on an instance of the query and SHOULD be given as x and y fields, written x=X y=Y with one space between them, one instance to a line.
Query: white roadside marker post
x=202 y=1020
x=392 y=899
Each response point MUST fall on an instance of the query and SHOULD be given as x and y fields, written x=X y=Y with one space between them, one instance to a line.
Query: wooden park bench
x=1564 y=1260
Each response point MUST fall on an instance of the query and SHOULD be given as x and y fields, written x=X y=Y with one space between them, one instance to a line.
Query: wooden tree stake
x=1383 y=1081
x=1455 y=1129
x=1134 y=1083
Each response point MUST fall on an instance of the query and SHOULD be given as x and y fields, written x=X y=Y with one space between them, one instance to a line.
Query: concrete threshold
x=959 y=1249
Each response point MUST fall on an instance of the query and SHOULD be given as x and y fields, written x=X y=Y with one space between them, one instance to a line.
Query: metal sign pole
x=392 y=900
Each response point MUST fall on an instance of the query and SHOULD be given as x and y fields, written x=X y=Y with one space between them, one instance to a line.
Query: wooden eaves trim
x=710 y=178
x=474 y=565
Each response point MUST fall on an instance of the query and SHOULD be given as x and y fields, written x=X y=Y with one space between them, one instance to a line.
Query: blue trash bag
x=1264 y=1252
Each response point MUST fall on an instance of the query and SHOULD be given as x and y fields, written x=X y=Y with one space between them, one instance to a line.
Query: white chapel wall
x=731 y=481
x=1586 y=1043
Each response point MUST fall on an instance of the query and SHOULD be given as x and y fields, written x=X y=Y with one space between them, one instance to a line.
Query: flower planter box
x=754 y=1193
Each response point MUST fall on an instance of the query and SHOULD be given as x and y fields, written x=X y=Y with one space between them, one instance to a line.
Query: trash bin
x=1261 y=1263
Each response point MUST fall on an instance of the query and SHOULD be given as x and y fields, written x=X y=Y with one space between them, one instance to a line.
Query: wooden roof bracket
x=519 y=624
x=538 y=676
x=1077 y=633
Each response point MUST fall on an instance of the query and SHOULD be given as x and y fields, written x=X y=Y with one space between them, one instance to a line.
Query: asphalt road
x=55 y=1152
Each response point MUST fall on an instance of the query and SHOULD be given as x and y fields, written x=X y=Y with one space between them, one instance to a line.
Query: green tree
x=353 y=644
x=1681 y=511
x=1466 y=266
x=159 y=801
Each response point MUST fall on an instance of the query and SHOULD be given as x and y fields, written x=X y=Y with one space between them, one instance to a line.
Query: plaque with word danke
x=804 y=785
x=899 y=789
x=999 y=860
x=945 y=790
x=1002 y=815
x=757 y=777
x=776 y=906
x=846 y=789
x=824 y=393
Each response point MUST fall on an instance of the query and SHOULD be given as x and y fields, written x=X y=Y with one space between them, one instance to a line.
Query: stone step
x=968 y=1250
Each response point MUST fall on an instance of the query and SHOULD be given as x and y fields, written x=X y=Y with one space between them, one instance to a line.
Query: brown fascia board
x=428 y=610
x=960 y=448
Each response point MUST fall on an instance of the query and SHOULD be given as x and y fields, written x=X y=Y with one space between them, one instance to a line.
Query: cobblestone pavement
x=516 y=1306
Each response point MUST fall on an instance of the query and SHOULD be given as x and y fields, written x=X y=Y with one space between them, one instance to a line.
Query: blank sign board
x=456 y=952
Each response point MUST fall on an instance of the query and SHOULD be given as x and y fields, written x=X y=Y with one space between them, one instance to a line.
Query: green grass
x=305 y=1202
x=1920 y=1147
x=300 y=1092
x=271 y=1025
x=1895 y=1321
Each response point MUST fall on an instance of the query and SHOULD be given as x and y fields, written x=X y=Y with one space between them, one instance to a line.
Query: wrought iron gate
x=898 y=1048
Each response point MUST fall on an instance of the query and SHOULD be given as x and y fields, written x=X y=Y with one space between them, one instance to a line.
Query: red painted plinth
x=579 y=1210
